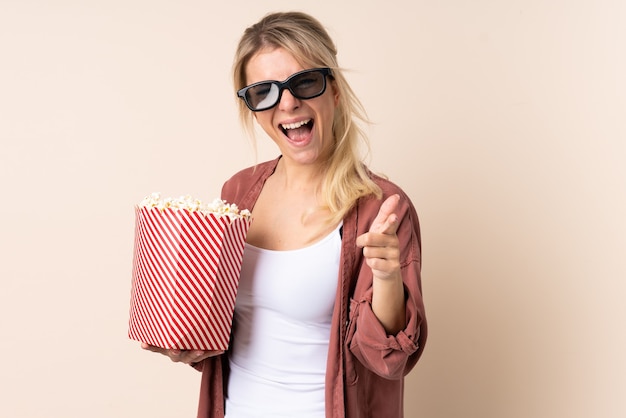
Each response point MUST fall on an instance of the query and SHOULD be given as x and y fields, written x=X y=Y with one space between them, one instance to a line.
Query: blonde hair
x=346 y=177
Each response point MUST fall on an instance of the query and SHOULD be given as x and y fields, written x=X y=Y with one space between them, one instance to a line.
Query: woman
x=329 y=315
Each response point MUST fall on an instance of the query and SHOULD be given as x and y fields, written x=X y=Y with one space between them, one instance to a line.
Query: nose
x=288 y=102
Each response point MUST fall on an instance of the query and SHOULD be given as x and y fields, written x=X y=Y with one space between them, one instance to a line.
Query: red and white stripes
x=185 y=275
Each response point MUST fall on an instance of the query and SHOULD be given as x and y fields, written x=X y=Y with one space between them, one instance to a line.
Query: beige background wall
x=503 y=120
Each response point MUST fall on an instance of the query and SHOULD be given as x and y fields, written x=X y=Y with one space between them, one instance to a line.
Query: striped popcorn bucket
x=186 y=267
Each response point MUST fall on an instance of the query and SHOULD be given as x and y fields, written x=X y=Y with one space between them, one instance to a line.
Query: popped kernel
x=217 y=206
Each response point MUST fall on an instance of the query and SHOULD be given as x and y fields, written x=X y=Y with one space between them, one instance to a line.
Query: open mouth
x=297 y=131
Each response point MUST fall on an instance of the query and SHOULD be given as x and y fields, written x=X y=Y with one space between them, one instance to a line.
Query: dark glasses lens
x=303 y=85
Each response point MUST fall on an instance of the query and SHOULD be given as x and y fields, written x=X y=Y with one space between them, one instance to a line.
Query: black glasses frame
x=282 y=85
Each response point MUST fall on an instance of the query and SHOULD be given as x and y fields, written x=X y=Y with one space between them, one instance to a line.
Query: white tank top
x=282 y=327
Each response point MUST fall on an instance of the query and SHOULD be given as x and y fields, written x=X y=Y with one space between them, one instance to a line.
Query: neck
x=299 y=177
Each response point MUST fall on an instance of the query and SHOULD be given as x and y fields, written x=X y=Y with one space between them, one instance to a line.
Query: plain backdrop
x=503 y=120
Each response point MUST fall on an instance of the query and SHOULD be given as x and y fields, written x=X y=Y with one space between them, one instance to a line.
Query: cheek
x=266 y=123
x=326 y=128
x=263 y=120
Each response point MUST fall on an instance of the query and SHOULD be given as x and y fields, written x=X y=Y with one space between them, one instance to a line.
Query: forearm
x=389 y=304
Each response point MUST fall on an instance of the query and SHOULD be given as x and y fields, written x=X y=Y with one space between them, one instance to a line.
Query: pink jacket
x=366 y=367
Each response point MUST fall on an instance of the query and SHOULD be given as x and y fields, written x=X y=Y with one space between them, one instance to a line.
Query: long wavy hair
x=346 y=176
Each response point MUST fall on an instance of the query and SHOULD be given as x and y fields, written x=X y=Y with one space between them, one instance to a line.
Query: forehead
x=271 y=64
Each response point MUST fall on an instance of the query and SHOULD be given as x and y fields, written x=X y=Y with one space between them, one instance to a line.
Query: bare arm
x=382 y=254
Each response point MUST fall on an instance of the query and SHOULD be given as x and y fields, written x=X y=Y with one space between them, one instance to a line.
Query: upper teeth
x=295 y=125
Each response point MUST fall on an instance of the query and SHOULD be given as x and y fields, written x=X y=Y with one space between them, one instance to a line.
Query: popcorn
x=186 y=264
x=218 y=206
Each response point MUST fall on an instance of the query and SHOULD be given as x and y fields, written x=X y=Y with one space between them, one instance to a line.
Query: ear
x=333 y=85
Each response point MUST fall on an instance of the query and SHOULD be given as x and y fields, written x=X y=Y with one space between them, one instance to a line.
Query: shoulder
x=244 y=184
x=253 y=172
x=388 y=188
x=368 y=207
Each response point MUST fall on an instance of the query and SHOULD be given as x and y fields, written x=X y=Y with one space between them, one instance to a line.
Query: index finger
x=385 y=221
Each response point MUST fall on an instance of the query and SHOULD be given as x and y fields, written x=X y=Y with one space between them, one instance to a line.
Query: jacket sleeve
x=389 y=356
